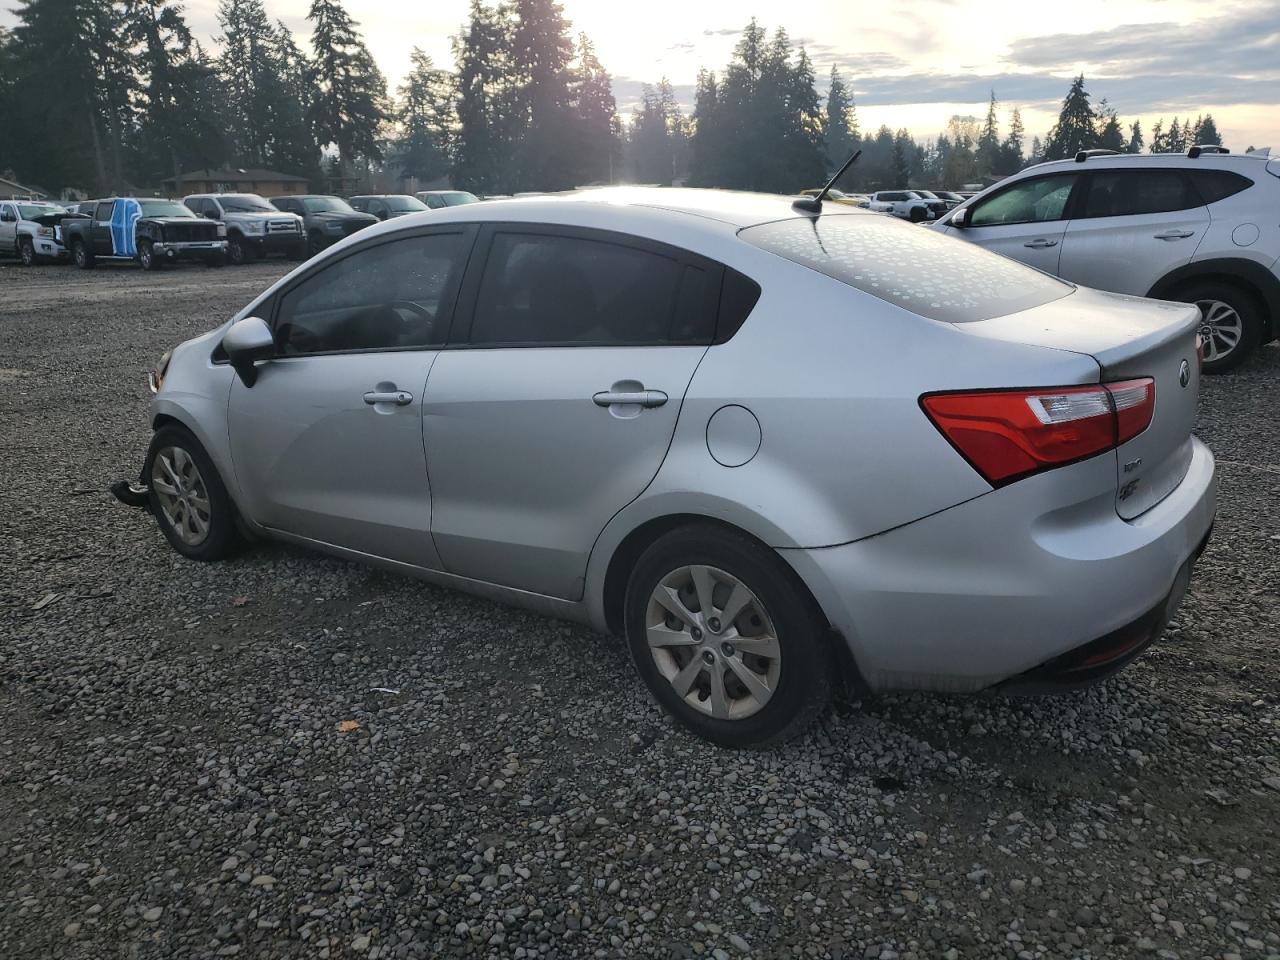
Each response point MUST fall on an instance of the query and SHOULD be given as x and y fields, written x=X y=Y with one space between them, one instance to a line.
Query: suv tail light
x=1010 y=434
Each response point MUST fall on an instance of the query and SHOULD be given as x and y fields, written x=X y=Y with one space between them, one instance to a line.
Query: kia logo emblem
x=1184 y=373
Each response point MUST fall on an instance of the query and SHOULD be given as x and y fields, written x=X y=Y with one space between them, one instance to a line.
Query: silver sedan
x=784 y=452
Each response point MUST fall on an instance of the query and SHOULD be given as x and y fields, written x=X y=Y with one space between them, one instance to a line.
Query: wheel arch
x=1248 y=275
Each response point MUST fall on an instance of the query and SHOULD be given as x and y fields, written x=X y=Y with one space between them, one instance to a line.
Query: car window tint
x=542 y=290
x=1215 y=185
x=1127 y=193
x=391 y=296
x=1031 y=201
x=923 y=271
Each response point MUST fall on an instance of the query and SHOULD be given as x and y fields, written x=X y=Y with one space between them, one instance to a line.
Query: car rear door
x=327 y=443
x=1131 y=228
x=556 y=405
x=1025 y=221
x=100 y=232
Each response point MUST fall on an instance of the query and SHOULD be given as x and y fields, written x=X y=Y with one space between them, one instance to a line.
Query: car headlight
x=255 y=226
x=156 y=377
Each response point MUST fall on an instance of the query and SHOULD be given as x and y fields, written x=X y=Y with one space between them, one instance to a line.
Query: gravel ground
x=291 y=756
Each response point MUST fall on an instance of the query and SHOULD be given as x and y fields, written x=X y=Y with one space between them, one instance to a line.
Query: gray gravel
x=195 y=762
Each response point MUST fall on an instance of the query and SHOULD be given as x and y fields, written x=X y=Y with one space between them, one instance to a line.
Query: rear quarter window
x=910 y=266
x=1215 y=185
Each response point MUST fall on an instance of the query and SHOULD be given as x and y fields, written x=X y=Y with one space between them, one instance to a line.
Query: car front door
x=556 y=406
x=1025 y=221
x=1131 y=228
x=327 y=443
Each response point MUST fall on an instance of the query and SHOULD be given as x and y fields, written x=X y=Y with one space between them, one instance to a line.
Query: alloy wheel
x=28 y=254
x=712 y=639
x=183 y=497
x=1221 y=328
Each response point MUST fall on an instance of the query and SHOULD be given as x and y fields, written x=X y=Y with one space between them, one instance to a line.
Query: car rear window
x=1215 y=185
x=910 y=266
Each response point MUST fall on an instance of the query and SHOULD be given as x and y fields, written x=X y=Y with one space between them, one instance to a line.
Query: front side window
x=923 y=271
x=1031 y=201
x=1129 y=193
x=543 y=290
x=393 y=296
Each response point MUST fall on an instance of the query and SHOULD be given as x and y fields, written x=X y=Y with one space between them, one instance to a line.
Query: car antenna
x=814 y=204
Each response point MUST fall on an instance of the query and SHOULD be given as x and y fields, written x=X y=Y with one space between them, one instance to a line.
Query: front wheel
x=27 y=252
x=187 y=496
x=1230 y=324
x=917 y=214
x=727 y=638
x=236 y=251
x=81 y=255
x=147 y=256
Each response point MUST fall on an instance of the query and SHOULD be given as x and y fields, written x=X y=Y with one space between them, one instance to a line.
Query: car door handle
x=1041 y=244
x=1175 y=235
x=644 y=398
x=400 y=398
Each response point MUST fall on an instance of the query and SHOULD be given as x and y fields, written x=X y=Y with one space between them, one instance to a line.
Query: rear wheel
x=726 y=637
x=236 y=252
x=187 y=496
x=81 y=255
x=918 y=214
x=1230 y=324
x=27 y=252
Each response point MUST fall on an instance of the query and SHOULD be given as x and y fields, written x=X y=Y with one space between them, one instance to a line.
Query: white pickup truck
x=907 y=204
x=30 y=230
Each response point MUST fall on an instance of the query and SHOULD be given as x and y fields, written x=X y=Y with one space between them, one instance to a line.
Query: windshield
x=919 y=270
x=399 y=204
x=245 y=203
x=29 y=211
x=459 y=197
x=164 y=208
x=325 y=205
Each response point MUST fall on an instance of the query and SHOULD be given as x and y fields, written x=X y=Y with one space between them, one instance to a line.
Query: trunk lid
x=1130 y=338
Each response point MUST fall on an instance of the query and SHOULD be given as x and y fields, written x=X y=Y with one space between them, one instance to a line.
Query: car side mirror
x=959 y=219
x=248 y=341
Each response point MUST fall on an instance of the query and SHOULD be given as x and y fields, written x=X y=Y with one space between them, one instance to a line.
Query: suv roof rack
x=1084 y=155
x=1200 y=148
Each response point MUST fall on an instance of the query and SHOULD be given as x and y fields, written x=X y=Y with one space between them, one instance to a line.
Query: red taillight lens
x=1011 y=434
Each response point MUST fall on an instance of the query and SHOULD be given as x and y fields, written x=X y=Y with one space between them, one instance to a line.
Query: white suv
x=1201 y=228
x=911 y=205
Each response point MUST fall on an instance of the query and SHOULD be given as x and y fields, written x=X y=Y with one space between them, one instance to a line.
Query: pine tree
x=1075 y=129
x=348 y=109
x=652 y=154
x=1110 y=136
x=160 y=40
x=989 y=140
x=597 y=148
x=487 y=102
x=248 y=76
x=708 y=144
x=1136 y=142
x=1159 y=139
x=1037 y=151
x=1207 y=132
x=806 y=149
x=426 y=117
x=541 y=52
x=840 y=122
x=1011 y=149
x=901 y=159
x=1177 y=139
x=291 y=145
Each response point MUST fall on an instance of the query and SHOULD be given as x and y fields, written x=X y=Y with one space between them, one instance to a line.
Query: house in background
x=267 y=183
x=12 y=190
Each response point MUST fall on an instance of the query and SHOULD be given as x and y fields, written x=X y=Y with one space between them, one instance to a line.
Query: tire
x=208 y=533
x=27 y=252
x=147 y=256
x=81 y=255
x=298 y=252
x=236 y=251
x=315 y=243
x=793 y=674
x=1226 y=310
x=917 y=214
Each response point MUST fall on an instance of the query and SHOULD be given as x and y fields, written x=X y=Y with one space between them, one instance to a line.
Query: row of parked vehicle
x=208 y=227
x=917 y=205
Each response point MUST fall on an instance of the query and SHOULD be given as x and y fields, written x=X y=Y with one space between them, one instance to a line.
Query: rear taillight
x=1010 y=434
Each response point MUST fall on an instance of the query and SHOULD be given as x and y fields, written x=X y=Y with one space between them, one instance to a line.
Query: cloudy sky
x=913 y=63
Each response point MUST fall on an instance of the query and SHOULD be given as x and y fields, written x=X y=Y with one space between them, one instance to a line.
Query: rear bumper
x=1008 y=582
x=190 y=249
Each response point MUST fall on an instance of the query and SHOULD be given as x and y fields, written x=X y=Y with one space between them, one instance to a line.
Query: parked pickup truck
x=31 y=230
x=908 y=204
x=152 y=232
x=254 y=227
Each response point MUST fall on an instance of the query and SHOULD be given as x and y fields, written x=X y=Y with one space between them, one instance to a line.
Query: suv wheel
x=188 y=499
x=27 y=252
x=80 y=253
x=726 y=637
x=1230 y=326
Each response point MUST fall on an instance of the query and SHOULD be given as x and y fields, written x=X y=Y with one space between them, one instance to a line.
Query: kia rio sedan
x=779 y=451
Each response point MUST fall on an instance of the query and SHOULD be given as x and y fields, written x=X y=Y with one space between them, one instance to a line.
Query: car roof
x=1241 y=162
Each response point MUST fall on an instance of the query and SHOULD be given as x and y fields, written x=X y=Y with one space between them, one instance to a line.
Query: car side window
x=1030 y=201
x=1128 y=193
x=434 y=202
x=358 y=203
x=394 y=296
x=7 y=214
x=551 y=290
x=377 y=208
x=1215 y=185
x=104 y=210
